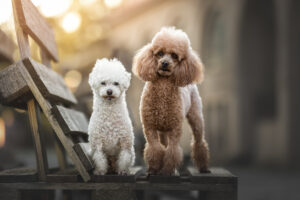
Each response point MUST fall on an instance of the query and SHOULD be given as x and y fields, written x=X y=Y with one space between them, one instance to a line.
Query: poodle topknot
x=171 y=69
x=110 y=128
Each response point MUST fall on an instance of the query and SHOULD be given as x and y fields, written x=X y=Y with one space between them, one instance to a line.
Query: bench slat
x=34 y=24
x=165 y=179
x=134 y=173
x=217 y=175
x=71 y=121
x=63 y=176
x=15 y=92
x=50 y=83
x=13 y=86
x=82 y=150
x=18 y=175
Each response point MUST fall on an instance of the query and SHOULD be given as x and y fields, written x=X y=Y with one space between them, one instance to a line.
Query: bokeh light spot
x=52 y=8
x=112 y=3
x=73 y=79
x=2 y=132
x=71 y=22
x=5 y=10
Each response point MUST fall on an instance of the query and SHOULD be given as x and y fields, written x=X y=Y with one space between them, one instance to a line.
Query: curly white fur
x=110 y=128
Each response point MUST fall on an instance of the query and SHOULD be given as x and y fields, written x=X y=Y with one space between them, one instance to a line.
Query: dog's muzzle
x=164 y=66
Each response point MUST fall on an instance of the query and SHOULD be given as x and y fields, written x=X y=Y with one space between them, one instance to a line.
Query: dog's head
x=169 y=55
x=109 y=79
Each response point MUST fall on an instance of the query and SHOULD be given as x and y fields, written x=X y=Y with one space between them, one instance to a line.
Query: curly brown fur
x=170 y=68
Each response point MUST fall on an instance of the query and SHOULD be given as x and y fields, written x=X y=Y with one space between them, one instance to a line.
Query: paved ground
x=267 y=184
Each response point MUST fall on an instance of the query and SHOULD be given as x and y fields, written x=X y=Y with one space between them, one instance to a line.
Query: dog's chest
x=108 y=129
x=162 y=108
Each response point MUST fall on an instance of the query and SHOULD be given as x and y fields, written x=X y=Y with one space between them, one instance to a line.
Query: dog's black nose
x=164 y=64
x=109 y=92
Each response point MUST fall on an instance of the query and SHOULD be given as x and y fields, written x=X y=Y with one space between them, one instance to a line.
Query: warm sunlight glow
x=112 y=3
x=36 y=2
x=5 y=10
x=73 y=79
x=8 y=117
x=2 y=132
x=71 y=22
x=52 y=8
x=87 y=2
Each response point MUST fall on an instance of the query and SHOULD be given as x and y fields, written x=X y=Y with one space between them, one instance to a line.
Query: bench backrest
x=29 y=21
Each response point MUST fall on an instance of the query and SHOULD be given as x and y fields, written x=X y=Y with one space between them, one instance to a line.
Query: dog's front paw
x=152 y=171
x=99 y=172
x=167 y=172
x=204 y=170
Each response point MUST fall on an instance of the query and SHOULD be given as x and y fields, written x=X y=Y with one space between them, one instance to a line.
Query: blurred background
x=250 y=49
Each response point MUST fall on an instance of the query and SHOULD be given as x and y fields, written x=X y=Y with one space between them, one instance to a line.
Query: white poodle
x=110 y=128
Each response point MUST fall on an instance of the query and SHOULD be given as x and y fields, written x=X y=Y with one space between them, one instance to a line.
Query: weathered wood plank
x=18 y=175
x=217 y=175
x=45 y=58
x=22 y=37
x=50 y=84
x=46 y=107
x=63 y=176
x=34 y=24
x=13 y=88
x=114 y=178
x=15 y=92
x=40 y=148
x=165 y=179
x=82 y=150
x=215 y=195
x=143 y=185
x=7 y=47
x=71 y=121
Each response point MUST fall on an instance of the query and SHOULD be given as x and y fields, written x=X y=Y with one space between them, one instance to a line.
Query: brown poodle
x=170 y=68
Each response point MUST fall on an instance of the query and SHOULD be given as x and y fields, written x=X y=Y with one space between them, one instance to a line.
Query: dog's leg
x=153 y=152
x=173 y=154
x=200 y=151
x=124 y=162
x=163 y=137
x=100 y=161
x=126 y=156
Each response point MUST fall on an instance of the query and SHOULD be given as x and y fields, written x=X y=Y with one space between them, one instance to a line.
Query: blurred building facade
x=250 y=52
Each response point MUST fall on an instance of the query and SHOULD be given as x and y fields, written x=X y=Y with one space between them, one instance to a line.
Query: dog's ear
x=144 y=64
x=128 y=78
x=92 y=78
x=190 y=70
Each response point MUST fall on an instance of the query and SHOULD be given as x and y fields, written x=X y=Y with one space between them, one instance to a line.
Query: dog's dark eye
x=160 y=53
x=103 y=83
x=174 y=56
x=116 y=83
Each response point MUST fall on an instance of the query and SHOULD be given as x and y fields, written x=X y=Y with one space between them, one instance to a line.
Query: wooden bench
x=219 y=184
x=33 y=86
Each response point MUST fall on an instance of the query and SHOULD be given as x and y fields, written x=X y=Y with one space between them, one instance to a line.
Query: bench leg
x=113 y=195
x=37 y=195
x=217 y=195
x=9 y=194
x=40 y=149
